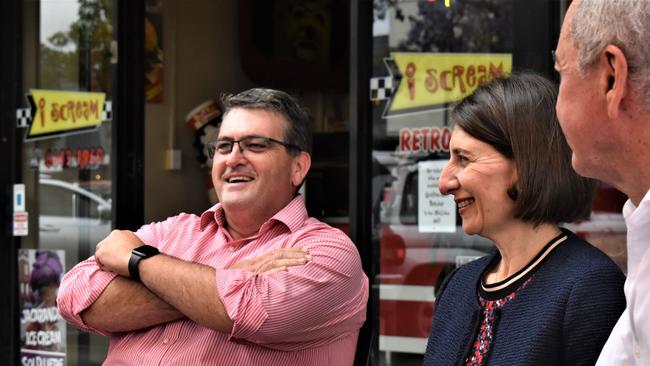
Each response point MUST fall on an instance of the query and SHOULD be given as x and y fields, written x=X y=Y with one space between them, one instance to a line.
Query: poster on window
x=42 y=329
x=153 y=52
x=436 y=213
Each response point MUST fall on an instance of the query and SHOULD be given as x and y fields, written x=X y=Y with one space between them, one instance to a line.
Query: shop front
x=61 y=130
x=427 y=55
x=77 y=90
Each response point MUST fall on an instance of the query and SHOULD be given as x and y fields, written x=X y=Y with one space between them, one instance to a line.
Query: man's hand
x=112 y=254
x=274 y=261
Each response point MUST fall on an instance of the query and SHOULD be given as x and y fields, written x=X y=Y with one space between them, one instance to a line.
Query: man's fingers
x=281 y=264
x=289 y=253
x=275 y=260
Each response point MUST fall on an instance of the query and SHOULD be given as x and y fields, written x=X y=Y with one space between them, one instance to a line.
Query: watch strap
x=134 y=260
x=138 y=254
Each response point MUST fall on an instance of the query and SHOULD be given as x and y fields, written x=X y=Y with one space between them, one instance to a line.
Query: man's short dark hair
x=516 y=116
x=298 y=130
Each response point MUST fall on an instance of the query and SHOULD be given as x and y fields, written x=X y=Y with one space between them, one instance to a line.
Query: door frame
x=10 y=99
x=128 y=128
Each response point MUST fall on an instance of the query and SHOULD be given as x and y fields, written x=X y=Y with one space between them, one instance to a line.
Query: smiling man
x=251 y=281
x=603 y=57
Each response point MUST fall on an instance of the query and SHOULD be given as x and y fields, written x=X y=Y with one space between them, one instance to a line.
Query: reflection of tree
x=80 y=57
x=467 y=26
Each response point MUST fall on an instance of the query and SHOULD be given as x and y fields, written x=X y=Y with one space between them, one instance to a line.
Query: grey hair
x=298 y=131
x=623 y=23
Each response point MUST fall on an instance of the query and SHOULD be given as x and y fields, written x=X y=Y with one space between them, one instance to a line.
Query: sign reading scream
x=434 y=79
x=57 y=112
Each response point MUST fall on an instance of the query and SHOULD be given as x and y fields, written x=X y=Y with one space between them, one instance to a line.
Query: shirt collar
x=292 y=215
x=629 y=207
x=637 y=219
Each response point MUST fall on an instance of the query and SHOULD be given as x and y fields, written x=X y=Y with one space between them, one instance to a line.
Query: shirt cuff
x=242 y=297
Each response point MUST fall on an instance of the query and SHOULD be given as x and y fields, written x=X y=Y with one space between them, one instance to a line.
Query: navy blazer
x=563 y=317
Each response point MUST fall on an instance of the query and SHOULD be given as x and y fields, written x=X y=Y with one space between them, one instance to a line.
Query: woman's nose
x=448 y=182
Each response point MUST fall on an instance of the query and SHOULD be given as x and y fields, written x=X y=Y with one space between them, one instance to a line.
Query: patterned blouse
x=493 y=297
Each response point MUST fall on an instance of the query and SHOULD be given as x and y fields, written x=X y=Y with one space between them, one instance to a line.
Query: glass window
x=427 y=55
x=55 y=201
x=68 y=46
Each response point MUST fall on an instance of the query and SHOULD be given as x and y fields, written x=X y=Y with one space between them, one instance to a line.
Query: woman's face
x=479 y=177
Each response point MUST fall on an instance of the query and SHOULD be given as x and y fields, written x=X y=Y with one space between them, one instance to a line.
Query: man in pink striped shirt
x=251 y=281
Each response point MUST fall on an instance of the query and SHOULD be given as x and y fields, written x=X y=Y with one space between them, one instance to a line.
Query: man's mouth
x=464 y=203
x=239 y=179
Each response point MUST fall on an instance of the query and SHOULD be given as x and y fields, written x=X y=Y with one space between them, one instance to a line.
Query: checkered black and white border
x=23 y=116
x=107 y=111
x=381 y=88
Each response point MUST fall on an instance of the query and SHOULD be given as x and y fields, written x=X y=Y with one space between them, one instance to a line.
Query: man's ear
x=616 y=79
x=300 y=167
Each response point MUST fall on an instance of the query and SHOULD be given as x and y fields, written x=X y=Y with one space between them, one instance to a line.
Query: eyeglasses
x=254 y=144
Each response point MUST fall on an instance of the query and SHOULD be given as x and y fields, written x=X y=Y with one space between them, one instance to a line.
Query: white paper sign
x=436 y=213
x=21 y=224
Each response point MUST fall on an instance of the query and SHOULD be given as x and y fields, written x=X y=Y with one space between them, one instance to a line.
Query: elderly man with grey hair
x=603 y=57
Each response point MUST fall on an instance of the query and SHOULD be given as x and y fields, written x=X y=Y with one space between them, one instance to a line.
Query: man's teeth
x=465 y=203
x=239 y=179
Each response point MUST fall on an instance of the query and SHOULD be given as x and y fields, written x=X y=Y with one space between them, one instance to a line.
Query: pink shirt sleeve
x=307 y=305
x=155 y=232
x=79 y=289
x=85 y=282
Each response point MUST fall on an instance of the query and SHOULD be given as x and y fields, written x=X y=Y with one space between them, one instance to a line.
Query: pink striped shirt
x=308 y=315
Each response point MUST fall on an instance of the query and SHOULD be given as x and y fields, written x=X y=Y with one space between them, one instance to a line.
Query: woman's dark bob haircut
x=516 y=116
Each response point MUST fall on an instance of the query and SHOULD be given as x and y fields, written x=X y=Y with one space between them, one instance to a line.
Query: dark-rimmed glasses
x=254 y=144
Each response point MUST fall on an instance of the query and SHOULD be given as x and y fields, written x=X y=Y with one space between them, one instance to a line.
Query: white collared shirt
x=629 y=343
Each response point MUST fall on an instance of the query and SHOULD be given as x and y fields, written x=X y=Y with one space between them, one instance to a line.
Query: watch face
x=146 y=251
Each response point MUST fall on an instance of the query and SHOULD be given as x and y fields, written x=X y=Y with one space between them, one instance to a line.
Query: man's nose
x=448 y=182
x=236 y=155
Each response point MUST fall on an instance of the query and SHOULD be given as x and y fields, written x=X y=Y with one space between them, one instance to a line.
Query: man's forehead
x=252 y=121
x=565 y=44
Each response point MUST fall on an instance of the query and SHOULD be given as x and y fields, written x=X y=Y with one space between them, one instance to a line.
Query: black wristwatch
x=138 y=254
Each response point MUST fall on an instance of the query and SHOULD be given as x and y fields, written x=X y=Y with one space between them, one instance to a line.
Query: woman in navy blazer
x=543 y=296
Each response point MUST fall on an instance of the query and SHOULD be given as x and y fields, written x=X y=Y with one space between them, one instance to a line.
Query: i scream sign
x=57 y=112
x=431 y=80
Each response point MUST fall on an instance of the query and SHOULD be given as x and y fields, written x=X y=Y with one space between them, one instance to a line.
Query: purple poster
x=42 y=330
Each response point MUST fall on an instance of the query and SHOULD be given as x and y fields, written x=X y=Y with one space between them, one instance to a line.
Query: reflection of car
x=413 y=264
x=71 y=218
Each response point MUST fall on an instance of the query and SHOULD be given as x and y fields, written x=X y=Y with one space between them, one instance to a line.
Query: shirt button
x=637 y=350
x=232 y=249
x=166 y=341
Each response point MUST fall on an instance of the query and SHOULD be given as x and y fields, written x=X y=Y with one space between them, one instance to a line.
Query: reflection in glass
x=68 y=45
x=414 y=263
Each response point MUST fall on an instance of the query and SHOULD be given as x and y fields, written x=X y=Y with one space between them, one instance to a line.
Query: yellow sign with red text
x=56 y=112
x=430 y=80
